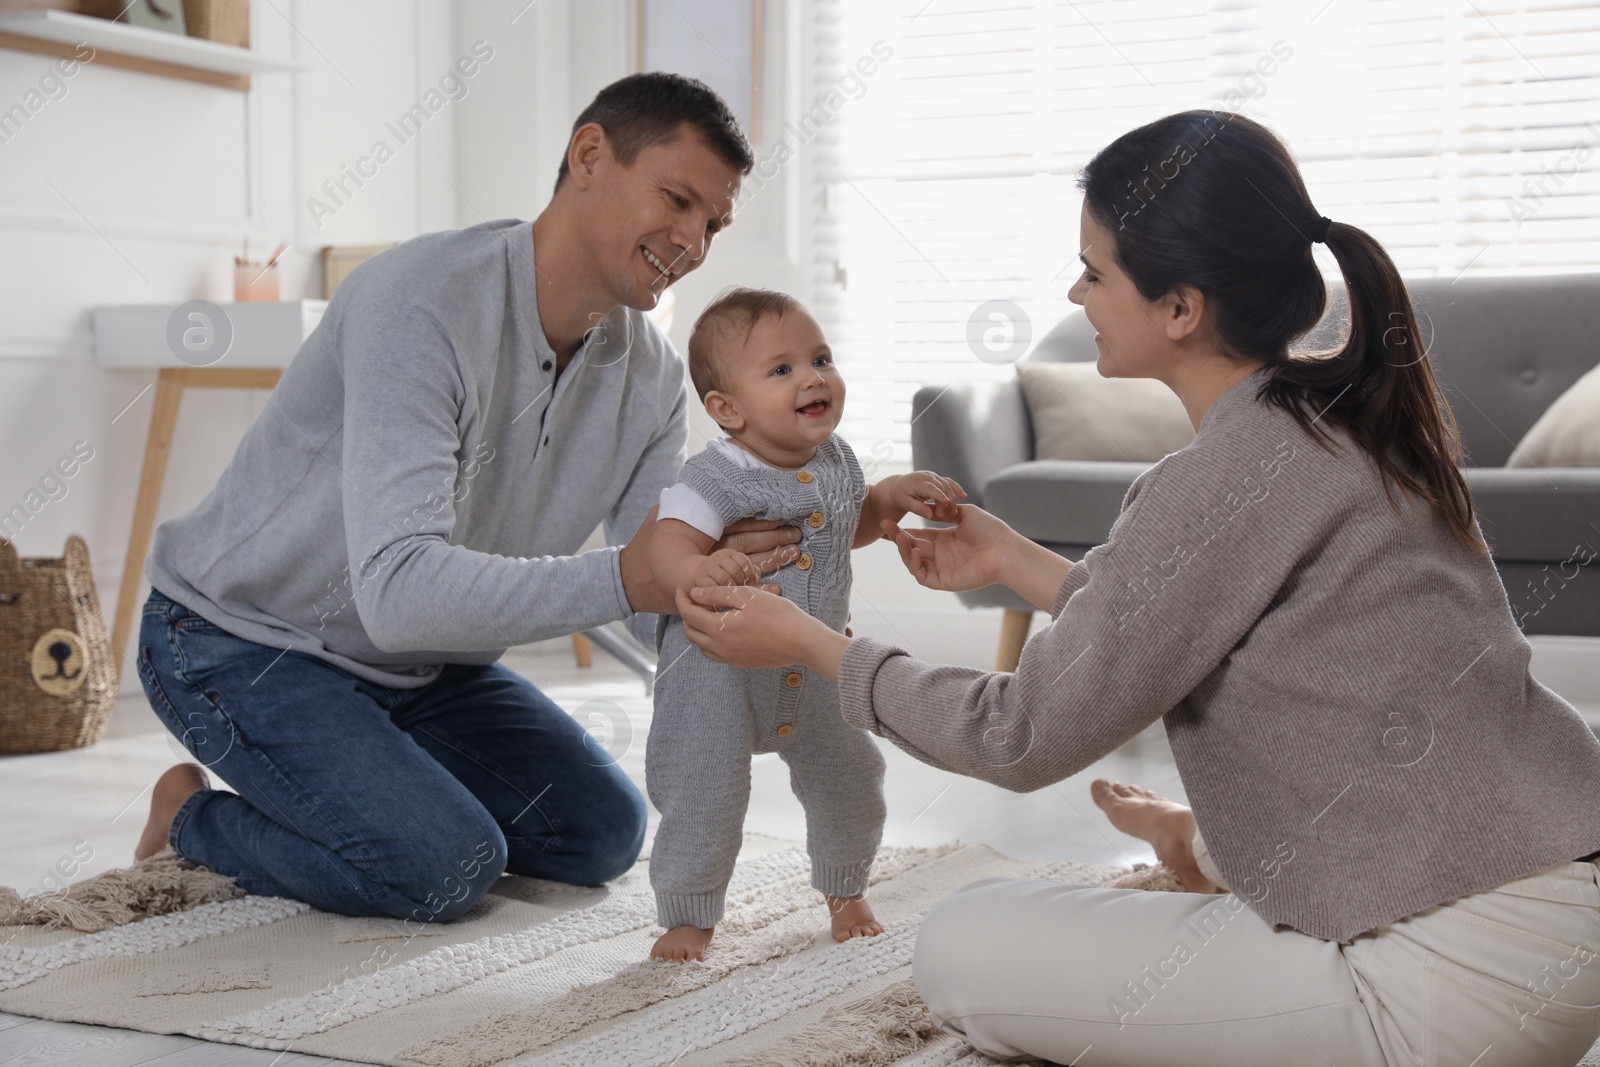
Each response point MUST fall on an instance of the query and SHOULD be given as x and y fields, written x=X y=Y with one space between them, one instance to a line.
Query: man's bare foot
x=1167 y=825
x=175 y=785
x=852 y=917
x=682 y=943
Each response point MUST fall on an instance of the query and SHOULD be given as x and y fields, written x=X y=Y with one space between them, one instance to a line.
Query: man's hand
x=766 y=541
x=768 y=545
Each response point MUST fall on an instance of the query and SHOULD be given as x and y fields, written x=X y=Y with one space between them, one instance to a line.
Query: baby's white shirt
x=683 y=503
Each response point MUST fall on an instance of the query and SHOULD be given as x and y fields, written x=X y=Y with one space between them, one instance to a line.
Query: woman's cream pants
x=1106 y=977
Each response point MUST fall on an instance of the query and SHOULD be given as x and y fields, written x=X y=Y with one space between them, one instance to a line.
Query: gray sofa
x=1503 y=349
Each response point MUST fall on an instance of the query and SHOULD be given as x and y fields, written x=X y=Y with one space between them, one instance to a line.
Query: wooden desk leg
x=582 y=650
x=157 y=450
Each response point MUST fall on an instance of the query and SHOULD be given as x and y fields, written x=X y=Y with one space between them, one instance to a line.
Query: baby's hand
x=911 y=492
x=726 y=567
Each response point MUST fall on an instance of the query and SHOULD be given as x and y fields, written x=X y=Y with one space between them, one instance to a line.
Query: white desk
x=266 y=337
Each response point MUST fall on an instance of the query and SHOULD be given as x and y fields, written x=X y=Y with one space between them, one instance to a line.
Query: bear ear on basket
x=58 y=683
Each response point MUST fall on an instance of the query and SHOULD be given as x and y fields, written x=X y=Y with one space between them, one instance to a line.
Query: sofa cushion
x=1502 y=349
x=1079 y=415
x=1533 y=519
x=1549 y=598
x=1068 y=502
x=1538 y=517
x=1568 y=433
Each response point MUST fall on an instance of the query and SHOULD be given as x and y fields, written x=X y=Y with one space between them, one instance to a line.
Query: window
x=1464 y=136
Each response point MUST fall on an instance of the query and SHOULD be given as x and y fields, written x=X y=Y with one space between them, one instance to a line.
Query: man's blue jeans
x=365 y=800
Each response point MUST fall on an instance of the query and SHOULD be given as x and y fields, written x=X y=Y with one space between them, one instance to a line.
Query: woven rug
x=536 y=973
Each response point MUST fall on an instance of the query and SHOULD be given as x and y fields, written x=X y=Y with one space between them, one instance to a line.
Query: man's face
x=651 y=223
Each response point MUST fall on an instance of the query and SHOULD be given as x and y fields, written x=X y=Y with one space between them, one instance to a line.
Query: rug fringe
x=158 y=885
x=876 y=1031
x=1158 y=879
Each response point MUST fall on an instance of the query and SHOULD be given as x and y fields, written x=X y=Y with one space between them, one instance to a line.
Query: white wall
x=134 y=188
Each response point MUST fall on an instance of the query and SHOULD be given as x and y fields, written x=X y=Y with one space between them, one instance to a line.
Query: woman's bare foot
x=175 y=785
x=1167 y=825
x=682 y=943
x=852 y=917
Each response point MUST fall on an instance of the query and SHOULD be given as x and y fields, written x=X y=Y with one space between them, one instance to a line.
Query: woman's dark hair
x=646 y=109
x=1213 y=199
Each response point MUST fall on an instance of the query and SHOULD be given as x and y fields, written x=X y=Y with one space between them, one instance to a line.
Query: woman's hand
x=978 y=551
x=969 y=555
x=755 y=627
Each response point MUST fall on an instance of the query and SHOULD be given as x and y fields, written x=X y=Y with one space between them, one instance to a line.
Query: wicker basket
x=223 y=21
x=57 y=681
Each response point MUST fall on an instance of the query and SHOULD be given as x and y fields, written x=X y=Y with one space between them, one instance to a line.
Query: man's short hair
x=733 y=311
x=642 y=110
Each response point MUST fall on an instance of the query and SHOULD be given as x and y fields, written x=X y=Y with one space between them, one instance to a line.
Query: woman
x=1405 y=817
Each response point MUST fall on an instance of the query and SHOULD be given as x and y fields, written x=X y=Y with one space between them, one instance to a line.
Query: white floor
x=63 y=806
x=86 y=808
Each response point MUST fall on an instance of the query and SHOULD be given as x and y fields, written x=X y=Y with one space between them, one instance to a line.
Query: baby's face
x=785 y=384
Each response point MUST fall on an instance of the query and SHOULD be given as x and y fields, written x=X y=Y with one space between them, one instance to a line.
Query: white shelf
x=265 y=333
x=64 y=27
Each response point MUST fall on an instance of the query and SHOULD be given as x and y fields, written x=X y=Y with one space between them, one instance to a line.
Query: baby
x=765 y=374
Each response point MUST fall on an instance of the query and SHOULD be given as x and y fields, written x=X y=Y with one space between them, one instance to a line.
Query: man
x=325 y=626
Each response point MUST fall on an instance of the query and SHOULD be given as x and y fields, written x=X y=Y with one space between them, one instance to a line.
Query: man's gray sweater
x=415 y=490
x=1345 y=689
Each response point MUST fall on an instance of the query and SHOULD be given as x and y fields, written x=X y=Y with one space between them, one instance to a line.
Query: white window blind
x=1463 y=135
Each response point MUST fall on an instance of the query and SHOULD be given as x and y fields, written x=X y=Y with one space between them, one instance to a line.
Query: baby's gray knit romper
x=711 y=717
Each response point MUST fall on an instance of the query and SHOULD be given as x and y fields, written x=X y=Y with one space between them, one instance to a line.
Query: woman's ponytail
x=1224 y=221
x=1379 y=387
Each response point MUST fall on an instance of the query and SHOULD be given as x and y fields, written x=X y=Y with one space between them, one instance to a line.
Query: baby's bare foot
x=852 y=917
x=682 y=943
x=1167 y=825
x=175 y=785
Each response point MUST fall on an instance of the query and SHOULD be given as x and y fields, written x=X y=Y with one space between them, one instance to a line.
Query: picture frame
x=717 y=41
